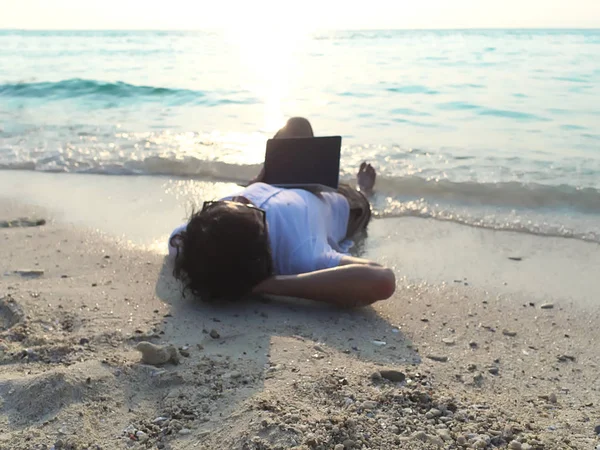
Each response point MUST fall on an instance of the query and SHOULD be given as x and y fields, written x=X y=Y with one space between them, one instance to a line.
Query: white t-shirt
x=306 y=233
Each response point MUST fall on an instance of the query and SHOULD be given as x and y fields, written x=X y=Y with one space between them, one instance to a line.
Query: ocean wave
x=515 y=195
x=77 y=87
x=498 y=222
x=508 y=206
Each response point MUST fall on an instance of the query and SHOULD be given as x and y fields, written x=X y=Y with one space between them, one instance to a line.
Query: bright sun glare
x=266 y=48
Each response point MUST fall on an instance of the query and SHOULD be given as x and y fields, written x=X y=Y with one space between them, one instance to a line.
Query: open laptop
x=308 y=163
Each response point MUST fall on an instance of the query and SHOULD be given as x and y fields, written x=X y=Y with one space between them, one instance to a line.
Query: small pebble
x=448 y=341
x=379 y=343
x=547 y=306
x=597 y=429
x=420 y=436
x=160 y=419
x=478 y=379
x=493 y=370
x=509 y=333
x=157 y=354
x=461 y=440
x=376 y=376
x=433 y=413
x=444 y=434
x=393 y=375
x=338 y=447
x=185 y=431
x=438 y=358
x=141 y=436
x=234 y=375
x=214 y=334
x=29 y=272
x=552 y=398
x=473 y=344
x=515 y=445
x=435 y=440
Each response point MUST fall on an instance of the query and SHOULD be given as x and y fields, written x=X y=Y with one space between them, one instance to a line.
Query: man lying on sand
x=283 y=242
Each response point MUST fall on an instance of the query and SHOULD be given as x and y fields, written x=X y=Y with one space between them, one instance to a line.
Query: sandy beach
x=489 y=342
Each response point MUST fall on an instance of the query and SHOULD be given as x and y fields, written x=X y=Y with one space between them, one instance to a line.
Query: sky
x=309 y=14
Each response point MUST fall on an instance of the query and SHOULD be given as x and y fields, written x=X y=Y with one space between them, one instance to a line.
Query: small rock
x=141 y=436
x=435 y=440
x=438 y=358
x=480 y=444
x=552 y=398
x=234 y=375
x=310 y=440
x=160 y=419
x=84 y=341
x=493 y=370
x=157 y=354
x=214 y=334
x=379 y=343
x=515 y=258
x=473 y=344
x=448 y=341
x=461 y=440
x=547 y=306
x=349 y=444
x=565 y=358
x=444 y=434
x=472 y=367
x=420 y=436
x=597 y=429
x=29 y=272
x=376 y=376
x=369 y=404
x=393 y=375
x=509 y=333
x=478 y=379
x=338 y=447
x=515 y=445
x=185 y=431
x=433 y=413
x=184 y=353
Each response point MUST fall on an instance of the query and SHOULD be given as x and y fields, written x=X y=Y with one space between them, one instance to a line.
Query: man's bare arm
x=347 y=285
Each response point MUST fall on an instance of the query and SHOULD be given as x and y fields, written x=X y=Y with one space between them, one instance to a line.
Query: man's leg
x=360 y=208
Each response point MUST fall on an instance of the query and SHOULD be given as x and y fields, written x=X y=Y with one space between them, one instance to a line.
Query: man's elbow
x=385 y=285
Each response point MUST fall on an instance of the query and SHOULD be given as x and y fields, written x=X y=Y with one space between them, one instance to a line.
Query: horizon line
x=315 y=30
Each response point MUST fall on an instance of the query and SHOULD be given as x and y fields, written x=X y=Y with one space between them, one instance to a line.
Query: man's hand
x=347 y=260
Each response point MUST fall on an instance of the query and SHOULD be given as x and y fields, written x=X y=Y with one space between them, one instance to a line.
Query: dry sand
x=481 y=367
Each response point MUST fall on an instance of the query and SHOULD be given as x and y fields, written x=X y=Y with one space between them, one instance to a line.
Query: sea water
x=497 y=129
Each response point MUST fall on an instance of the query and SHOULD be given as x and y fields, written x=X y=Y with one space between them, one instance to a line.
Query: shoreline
x=503 y=371
x=140 y=212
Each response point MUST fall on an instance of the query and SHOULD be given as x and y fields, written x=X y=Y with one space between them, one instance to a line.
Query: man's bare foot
x=366 y=178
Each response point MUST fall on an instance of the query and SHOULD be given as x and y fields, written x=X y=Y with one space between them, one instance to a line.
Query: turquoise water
x=496 y=128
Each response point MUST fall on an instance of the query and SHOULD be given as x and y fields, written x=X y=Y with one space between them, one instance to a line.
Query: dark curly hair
x=224 y=252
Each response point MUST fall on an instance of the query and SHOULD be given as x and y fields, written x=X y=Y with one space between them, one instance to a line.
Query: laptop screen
x=298 y=161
